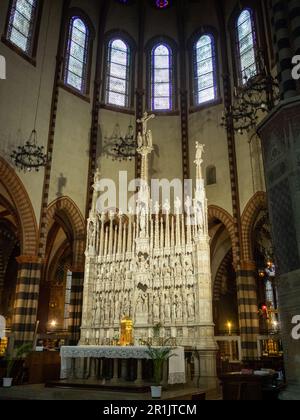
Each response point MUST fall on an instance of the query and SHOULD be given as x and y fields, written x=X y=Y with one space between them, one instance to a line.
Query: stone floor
x=40 y=392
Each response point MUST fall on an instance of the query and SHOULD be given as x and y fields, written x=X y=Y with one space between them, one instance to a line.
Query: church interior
x=187 y=282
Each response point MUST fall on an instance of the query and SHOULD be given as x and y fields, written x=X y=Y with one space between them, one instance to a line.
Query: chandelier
x=120 y=147
x=29 y=157
x=258 y=95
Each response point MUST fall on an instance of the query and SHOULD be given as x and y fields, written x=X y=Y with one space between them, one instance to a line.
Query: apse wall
x=19 y=94
x=69 y=172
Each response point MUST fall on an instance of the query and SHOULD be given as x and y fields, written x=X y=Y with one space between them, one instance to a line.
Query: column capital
x=29 y=259
x=77 y=268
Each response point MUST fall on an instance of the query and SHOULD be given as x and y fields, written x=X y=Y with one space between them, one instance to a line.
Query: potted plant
x=11 y=361
x=159 y=355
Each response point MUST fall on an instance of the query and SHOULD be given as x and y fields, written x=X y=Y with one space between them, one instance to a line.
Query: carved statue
x=156 y=308
x=199 y=153
x=144 y=121
x=141 y=278
x=117 y=307
x=149 y=139
x=167 y=307
x=168 y=277
x=145 y=304
x=191 y=306
x=156 y=281
x=178 y=307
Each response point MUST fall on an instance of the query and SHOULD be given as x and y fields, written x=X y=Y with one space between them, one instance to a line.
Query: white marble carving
x=151 y=269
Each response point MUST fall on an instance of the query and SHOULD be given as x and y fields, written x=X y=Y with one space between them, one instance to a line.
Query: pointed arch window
x=205 y=70
x=118 y=73
x=21 y=25
x=246 y=45
x=162 y=78
x=77 y=55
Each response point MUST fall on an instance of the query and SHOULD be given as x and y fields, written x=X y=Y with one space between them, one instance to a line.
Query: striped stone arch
x=23 y=206
x=218 y=213
x=257 y=203
x=220 y=274
x=72 y=212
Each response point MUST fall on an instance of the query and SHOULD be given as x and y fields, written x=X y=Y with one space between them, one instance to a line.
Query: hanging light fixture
x=258 y=95
x=121 y=148
x=30 y=157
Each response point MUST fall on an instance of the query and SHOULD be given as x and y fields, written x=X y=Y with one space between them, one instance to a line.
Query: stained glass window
x=21 y=24
x=118 y=73
x=76 y=67
x=162 y=78
x=205 y=70
x=246 y=45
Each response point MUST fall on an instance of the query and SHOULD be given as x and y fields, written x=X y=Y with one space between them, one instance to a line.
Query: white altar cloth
x=67 y=354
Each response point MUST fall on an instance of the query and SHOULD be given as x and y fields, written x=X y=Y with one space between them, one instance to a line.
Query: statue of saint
x=199 y=153
x=167 y=307
x=156 y=310
x=179 y=307
x=149 y=139
x=191 y=306
x=117 y=307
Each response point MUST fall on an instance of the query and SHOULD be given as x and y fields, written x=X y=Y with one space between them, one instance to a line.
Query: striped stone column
x=248 y=310
x=2 y=269
x=76 y=306
x=26 y=299
x=294 y=18
x=283 y=48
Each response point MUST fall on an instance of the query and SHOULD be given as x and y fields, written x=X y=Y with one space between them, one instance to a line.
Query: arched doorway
x=9 y=251
x=18 y=241
x=61 y=289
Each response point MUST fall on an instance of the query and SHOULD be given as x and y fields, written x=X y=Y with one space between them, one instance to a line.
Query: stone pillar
x=248 y=310
x=280 y=136
x=283 y=48
x=115 y=378
x=139 y=376
x=294 y=18
x=76 y=306
x=26 y=300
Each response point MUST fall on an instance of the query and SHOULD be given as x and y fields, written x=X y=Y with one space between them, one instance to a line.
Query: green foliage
x=159 y=355
x=17 y=355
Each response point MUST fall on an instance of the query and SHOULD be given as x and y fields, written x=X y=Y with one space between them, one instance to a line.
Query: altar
x=148 y=266
x=87 y=362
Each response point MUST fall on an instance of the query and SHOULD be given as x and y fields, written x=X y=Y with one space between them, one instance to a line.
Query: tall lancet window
x=162 y=82
x=205 y=70
x=118 y=74
x=77 y=55
x=246 y=45
x=21 y=24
